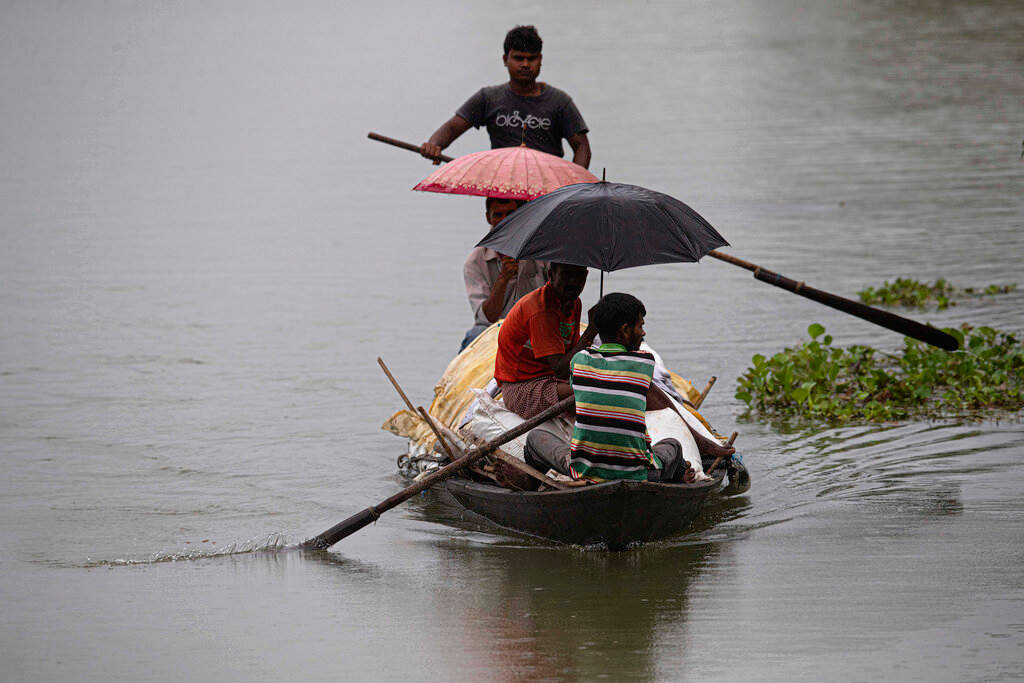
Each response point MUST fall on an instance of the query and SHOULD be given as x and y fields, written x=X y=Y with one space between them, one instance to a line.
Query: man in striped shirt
x=613 y=390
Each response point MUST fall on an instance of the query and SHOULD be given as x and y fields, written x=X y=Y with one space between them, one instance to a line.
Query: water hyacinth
x=858 y=383
x=913 y=293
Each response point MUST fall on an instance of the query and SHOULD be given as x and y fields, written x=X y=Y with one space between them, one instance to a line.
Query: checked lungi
x=530 y=397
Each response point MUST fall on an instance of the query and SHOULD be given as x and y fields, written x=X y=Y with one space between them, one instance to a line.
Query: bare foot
x=712 y=448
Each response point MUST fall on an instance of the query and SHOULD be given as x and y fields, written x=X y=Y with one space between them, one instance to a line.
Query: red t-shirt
x=533 y=329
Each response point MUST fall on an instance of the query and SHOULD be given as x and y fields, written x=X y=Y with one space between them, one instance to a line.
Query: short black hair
x=553 y=266
x=615 y=310
x=491 y=200
x=523 y=39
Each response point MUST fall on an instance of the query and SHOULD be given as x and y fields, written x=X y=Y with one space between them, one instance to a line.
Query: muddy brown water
x=203 y=256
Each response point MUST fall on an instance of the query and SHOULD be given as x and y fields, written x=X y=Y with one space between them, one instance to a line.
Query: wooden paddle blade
x=341 y=530
x=896 y=323
x=370 y=514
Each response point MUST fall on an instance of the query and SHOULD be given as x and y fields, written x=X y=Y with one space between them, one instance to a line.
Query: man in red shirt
x=537 y=341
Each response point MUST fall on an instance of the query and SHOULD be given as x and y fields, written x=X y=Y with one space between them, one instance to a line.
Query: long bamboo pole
x=404 y=145
x=349 y=526
x=896 y=323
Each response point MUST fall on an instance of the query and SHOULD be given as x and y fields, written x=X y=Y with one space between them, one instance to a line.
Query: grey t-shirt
x=549 y=117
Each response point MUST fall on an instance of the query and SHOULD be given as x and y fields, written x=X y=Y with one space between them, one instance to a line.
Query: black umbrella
x=506 y=244
x=604 y=225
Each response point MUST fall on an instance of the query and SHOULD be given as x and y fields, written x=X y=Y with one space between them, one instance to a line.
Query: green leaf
x=837 y=384
x=815 y=330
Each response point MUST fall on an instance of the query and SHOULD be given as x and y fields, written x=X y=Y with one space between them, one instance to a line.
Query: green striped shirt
x=610 y=440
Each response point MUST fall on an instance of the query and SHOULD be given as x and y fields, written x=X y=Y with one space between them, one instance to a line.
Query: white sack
x=491 y=419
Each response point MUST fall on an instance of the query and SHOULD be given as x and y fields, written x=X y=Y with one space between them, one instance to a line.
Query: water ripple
x=266 y=544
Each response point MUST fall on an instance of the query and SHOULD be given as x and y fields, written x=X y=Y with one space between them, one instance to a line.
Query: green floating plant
x=910 y=292
x=858 y=383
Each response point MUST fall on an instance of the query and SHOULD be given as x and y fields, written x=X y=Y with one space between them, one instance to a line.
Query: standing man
x=537 y=341
x=522 y=111
x=494 y=282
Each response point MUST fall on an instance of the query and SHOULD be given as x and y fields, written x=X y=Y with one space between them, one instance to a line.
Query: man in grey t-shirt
x=548 y=114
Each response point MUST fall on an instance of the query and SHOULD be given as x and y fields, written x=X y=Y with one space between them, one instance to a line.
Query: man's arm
x=495 y=303
x=449 y=131
x=580 y=149
x=560 y=363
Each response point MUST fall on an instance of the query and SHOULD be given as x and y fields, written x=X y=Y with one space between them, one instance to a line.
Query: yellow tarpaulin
x=474 y=369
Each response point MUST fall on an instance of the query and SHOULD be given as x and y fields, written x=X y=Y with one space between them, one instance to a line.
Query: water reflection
x=543 y=613
x=719 y=517
x=351 y=567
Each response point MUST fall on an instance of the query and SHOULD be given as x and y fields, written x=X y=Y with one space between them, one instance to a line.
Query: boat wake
x=915 y=469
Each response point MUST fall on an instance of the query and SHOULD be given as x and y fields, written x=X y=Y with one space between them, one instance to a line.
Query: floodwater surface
x=203 y=257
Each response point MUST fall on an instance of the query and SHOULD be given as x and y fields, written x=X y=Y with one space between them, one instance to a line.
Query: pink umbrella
x=507 y=173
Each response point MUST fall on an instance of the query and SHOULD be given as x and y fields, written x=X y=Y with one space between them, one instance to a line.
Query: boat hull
x=617 y=514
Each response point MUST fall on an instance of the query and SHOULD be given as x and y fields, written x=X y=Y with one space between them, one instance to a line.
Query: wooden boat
x=618 y=514
x=505 y=492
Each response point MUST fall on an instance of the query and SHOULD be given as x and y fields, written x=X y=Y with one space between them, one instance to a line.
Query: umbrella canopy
x=605 y=225
x=507 y=173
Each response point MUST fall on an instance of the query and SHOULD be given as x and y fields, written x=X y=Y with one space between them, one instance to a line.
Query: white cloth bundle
x=491 y=419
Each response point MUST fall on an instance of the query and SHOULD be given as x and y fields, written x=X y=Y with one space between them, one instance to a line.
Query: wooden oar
x=731 y=441
x=404 y=145
x=896 y=323
x=704 y=394
x=396 y=385
x=371 y=514
x=439 y=428
x=517 y=464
